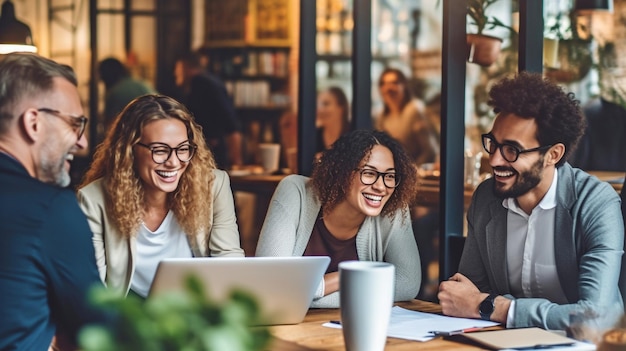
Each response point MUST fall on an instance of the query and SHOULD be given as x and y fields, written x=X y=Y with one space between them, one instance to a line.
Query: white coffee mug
x=269 y=156
x=366 y=291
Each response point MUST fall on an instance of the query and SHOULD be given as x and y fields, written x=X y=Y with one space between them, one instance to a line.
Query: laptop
x=284 y=287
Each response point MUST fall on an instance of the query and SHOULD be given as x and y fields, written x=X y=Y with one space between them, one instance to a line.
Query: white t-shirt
x=168 y=241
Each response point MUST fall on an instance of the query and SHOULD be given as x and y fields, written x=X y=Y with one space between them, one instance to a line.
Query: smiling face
x=328 y=109
x=161 y=178
x=369 y=200
x=61 y=141
x=391 y=89
x=515 y=179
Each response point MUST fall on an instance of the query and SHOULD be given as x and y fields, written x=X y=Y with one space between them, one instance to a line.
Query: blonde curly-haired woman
x=153 y=192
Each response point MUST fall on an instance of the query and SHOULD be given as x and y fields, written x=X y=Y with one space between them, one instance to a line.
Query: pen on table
x=545 y=346
x=454 y=332
x=336 y=322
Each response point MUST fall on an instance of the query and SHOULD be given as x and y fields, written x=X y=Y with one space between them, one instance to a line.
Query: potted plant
x=176 y=321
x=483 y=49
x=567 y=55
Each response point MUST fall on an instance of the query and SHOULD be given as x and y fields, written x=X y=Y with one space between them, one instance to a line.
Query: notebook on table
x=525 y=339
x=284 y=287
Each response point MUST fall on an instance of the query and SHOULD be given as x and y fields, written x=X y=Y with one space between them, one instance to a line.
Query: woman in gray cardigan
x=354 y=207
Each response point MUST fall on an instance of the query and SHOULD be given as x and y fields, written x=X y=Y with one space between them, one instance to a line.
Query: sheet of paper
x=413 y=325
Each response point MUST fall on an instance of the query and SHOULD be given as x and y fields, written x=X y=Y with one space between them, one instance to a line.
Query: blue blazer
x=47 y=260
x=589 y=239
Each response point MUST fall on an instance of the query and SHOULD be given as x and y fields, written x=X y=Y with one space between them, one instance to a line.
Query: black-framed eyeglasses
x=509 y=152
x=162 y=152
x=77 y=122
x=370 y=176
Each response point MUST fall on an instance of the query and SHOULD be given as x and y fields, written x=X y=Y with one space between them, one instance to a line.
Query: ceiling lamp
x=14 y=35
x=587 y=6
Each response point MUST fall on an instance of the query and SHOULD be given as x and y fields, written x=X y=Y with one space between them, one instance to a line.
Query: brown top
x=324 y=243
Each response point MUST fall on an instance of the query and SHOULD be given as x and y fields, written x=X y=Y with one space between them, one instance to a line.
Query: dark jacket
x=47 y=261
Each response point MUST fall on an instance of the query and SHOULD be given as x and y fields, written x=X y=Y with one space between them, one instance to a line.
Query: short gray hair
x=23 y=75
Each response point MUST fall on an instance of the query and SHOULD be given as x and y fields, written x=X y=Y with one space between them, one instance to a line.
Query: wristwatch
x=487 y=306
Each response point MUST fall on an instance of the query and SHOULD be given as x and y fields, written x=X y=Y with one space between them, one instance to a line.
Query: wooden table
x=311 y=335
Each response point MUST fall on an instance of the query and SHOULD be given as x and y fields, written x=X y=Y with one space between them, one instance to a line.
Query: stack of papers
x=413 y=325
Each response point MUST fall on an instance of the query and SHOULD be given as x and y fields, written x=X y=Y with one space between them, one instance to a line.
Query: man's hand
x=459 y=297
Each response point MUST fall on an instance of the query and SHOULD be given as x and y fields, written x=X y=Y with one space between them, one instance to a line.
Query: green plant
x=186 y=321
x=477 y=11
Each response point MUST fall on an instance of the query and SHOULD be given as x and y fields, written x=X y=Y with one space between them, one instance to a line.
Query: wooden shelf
x=249 y=23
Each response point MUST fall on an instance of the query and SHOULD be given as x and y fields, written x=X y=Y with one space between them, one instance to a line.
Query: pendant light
x=14 y=34
x=588 y=6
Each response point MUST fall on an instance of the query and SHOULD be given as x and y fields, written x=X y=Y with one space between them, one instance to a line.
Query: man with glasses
x=545 y=240
x=47 y=260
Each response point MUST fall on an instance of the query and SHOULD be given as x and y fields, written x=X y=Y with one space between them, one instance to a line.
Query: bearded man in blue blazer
x=47 y=260
x=545 y=240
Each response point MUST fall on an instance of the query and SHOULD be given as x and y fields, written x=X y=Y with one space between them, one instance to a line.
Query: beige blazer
x=115 y=253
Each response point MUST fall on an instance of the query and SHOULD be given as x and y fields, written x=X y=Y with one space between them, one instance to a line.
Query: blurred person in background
x=404 y=118
x=206 y=97
x=120 y=87
x=332 y=119
x=153 y=192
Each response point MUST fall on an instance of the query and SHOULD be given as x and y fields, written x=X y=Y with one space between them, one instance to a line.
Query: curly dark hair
x=334 y=171
x=558 y=114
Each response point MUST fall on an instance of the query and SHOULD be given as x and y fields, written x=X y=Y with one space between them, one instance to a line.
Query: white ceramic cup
x=366 y=297
x=269 y=154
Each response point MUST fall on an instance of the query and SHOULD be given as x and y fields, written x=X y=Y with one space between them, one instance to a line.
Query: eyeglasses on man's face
x=370 y=176
x=509 y=152
x=78 y=123
x=162 y=152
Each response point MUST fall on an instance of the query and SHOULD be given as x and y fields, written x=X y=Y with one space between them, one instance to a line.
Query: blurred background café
x=276 y=57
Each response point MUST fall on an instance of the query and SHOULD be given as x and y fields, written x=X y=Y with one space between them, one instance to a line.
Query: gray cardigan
x=289 y=223
x=589 y=237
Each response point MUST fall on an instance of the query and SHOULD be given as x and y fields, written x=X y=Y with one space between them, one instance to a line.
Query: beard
x=526 y=181
x=52 y=167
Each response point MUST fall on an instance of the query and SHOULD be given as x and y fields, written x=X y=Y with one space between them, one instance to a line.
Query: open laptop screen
x=283 y=286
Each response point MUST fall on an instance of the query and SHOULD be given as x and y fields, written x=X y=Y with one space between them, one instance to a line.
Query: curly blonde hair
x=124 y=191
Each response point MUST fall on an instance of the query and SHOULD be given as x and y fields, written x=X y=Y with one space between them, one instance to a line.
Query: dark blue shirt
x=47 y=261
